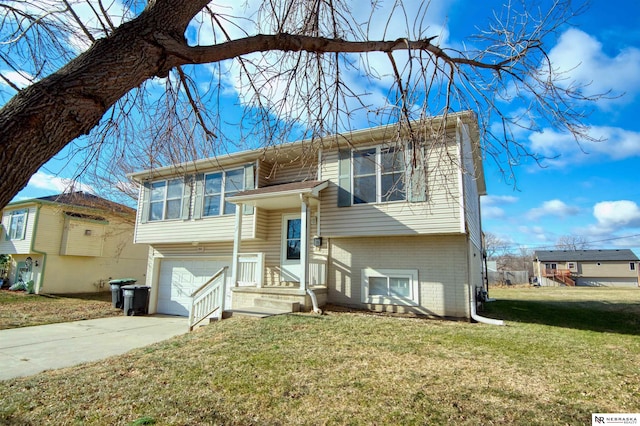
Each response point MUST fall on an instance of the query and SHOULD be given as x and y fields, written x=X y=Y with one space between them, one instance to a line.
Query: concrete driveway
x=30 y=350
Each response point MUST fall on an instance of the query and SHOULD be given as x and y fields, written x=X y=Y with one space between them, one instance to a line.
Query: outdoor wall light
x=87 y=232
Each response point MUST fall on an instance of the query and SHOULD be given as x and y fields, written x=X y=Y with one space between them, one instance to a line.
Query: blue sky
x=590 y=190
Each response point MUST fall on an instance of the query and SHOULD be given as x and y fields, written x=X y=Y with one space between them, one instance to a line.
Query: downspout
x=314 y=301
x=34 y=250
x=472 y=296
x=478 y=318
x=305 y=260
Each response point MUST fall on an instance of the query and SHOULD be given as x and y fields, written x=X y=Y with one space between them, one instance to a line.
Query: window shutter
x=24 y=224
x=249 y=183
x=344 y=177
x=146 y=199
x=186 y=196
x=197 y=208
x=417 y=178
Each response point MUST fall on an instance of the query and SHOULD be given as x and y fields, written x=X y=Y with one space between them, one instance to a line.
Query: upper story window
x=378 y=175
x=165 y=199
x=17 y=224
x=218 y=187
x=632 y=266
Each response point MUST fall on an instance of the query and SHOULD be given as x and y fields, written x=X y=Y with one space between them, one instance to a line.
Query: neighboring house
x=586 y=267
x=71 y=243
x=359 y=222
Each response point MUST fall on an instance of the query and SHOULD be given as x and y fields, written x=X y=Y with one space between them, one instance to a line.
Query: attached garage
x=179 y=278
x=607 y=282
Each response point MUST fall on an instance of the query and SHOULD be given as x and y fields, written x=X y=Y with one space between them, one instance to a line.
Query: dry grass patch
x=19 y=309
x=344 y=368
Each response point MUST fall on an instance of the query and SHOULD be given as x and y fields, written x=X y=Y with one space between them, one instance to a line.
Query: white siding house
x=370 y=220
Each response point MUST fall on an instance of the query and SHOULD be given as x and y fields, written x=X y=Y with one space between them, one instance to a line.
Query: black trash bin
x=116 y=290
x=136 y=299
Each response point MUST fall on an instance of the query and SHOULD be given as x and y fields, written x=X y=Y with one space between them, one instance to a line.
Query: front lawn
x=19 y=309
x=359 y=369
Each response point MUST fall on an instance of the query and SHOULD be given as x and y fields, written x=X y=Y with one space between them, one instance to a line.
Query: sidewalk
x=30 y=350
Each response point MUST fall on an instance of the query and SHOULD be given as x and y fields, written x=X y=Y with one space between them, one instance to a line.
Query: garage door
x=181 y=277
x=608 y=282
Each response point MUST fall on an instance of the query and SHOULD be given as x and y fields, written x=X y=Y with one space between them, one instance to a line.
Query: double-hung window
x=378 y=175
x=17 y=224
x=217 y=188
x=165 y=199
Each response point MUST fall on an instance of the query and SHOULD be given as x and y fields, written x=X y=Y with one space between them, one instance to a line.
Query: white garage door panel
x=181 y=277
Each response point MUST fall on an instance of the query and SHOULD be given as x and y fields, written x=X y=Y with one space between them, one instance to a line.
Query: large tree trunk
x=43 y=118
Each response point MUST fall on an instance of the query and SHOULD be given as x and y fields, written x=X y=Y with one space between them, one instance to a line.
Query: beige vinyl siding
x=50 y=229
x=441 y=262
x=270 y=246
x=219 y=228
x=76 y=272
x=609 y=269
x=440 y=214
x=286 y=170
x=82 y=238
x=471 y=198
x=19 y=246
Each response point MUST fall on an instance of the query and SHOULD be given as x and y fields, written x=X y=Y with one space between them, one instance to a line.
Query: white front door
x=290 y=254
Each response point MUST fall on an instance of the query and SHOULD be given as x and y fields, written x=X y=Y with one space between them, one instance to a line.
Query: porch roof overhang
x=284 y=196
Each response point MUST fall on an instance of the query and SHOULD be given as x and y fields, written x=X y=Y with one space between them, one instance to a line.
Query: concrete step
x=284 y=305
x=253 y=312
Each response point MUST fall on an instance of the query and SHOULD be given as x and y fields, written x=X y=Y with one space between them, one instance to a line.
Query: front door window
x=291 y=248
x=293 y=239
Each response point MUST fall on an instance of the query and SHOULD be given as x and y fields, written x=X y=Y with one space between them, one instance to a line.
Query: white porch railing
x=250 y=269
x=317 y=272
x=208 y=298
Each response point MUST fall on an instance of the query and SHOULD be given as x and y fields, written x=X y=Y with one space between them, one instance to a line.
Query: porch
x=562 y=276
x=300 y=275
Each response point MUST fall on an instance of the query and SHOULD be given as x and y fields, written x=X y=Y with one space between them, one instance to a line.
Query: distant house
x=71 y=243
x=586 y=267
x=357 y=223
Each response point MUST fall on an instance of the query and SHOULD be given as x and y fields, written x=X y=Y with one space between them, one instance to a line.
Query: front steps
x=262 y=308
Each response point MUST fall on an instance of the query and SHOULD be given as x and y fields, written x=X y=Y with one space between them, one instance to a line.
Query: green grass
x=359 y=369
x=615 y=310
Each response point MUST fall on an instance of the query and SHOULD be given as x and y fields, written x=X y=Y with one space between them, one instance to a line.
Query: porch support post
x=236 y=245
x=304 y=242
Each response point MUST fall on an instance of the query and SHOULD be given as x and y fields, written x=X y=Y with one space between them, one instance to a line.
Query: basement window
x=390 y=286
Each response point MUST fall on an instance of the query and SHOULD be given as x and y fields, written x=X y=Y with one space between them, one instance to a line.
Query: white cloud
x=284 y=91
x=20 y=79
x=618 y=214
x=492 y=205
x=580 y=58
x=552 y=208
x=614 y=144
x=49 y=182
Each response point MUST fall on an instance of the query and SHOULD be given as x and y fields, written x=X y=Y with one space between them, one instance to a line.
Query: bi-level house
x=73 y=242
x=365 y=219
x=593 y=268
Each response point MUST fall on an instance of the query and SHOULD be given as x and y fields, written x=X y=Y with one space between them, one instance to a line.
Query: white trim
x=411 y=274
x=378 y=174
x=289 y=267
